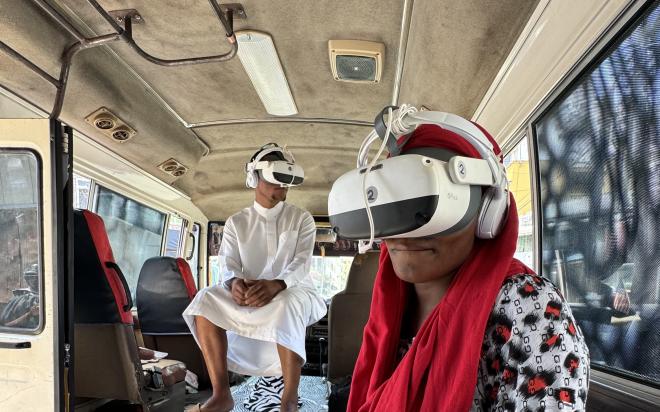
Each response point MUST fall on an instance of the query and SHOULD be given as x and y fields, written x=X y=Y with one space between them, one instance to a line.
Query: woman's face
x=418 y=260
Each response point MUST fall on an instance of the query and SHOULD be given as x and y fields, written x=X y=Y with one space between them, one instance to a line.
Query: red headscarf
x=439 y=372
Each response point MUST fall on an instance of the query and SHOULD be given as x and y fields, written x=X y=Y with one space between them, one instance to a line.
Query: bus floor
x=313 y=392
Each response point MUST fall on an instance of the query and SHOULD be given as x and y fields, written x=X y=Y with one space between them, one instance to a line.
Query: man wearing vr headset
x=456 y=322
x=254 y=322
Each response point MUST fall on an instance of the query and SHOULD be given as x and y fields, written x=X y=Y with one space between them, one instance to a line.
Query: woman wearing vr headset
x=457 y=323
x=254 y=322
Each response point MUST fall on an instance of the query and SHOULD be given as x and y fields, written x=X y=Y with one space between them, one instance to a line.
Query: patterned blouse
x=533 y=357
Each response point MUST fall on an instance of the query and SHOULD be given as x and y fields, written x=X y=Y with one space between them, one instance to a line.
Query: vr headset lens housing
x=281 y=173
x=410 y=195
x=275 y=165
x=424 y=192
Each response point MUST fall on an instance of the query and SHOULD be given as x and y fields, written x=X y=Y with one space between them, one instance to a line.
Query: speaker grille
x=357 y=68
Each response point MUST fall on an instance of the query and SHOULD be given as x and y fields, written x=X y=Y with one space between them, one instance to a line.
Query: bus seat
x=348 y=314
x=106 y=359
x=165 y=288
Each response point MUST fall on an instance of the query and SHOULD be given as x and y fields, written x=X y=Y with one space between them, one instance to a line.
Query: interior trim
x=528 y=81
x=625 y=391
x=21 y=101
x=406 y=17
x=282 y=120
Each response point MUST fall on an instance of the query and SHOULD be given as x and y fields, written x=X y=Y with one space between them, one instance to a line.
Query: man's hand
x=238 y=291
x=621 y=301
x=261 y=292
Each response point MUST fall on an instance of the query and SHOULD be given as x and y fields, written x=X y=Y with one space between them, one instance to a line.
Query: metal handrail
x=127 y=34
x=121 y=33
x=67 y=58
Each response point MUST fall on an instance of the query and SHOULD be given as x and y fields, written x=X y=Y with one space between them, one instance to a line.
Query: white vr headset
x=425 y=192
x=284 y=172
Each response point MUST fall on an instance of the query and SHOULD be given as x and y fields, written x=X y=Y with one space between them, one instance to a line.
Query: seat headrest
x=363 y=273
x=165 y=288
x=101 y=291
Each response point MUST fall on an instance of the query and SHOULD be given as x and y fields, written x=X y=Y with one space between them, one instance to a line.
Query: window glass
x=20 y=239
x=598 y=162
x=517 y=171
x=194 y=260
x=135 y=232
x=173 y=241
x=81 y=188
x=330 y=274
x=215 y=238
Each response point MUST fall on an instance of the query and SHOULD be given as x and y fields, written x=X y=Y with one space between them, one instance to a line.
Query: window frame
x=182 y=232
x=507 y=148
x=196 y=250
x=97 y=192
x=614 y=380
x=13 y=331
x=209 y=233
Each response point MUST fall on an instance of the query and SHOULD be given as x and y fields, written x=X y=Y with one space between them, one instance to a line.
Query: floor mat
x=312 y=392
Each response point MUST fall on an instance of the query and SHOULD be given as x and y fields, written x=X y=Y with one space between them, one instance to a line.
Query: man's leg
x=213 y=341
x=291 y=365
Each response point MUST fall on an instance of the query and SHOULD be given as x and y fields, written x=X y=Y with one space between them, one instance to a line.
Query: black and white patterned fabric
x=534 y=356
x=266 y=395
x=313 y=391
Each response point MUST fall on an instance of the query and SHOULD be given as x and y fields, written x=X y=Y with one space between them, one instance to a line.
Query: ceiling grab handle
x=126 y=33
x=121 y=33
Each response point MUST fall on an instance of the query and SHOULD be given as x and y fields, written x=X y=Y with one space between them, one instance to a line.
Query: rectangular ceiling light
x=259 y=57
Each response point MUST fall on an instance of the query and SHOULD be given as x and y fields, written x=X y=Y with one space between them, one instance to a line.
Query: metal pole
x=127 y=35
x=66 y=66
x=403 y=44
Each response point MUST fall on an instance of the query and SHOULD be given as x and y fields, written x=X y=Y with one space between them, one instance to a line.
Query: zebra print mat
x=312 y=392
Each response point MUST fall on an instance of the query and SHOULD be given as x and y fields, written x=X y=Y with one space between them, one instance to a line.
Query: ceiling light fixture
x=259 y=58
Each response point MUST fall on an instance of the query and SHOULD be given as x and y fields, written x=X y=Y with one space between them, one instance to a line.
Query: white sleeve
x=302 y=259
x=229 y=254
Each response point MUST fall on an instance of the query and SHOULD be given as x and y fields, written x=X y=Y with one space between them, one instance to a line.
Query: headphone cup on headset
x=492 y=214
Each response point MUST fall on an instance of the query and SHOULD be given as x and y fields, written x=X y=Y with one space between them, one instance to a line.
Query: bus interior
x=125 y=126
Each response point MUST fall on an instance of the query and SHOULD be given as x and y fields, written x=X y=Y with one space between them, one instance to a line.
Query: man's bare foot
x=289 y=406
x=220 y=403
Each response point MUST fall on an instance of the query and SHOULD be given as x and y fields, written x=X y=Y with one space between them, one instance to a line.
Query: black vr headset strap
x=381 y=128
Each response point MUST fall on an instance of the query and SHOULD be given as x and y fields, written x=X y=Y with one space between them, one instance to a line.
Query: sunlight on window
x=330 y=274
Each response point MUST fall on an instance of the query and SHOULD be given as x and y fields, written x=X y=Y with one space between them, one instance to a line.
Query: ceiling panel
x=300 y=30
x=325 y=151
x=455 y=49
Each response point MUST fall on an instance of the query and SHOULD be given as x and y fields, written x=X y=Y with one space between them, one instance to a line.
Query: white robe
x=260 y=243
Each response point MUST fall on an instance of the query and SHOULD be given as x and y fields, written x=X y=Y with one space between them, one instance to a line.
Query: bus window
x=135 y=232
x=517 y=171
x=20 y=229
x=330 y=274
x=174 y=236
x=598 y=162
x=215 y=238
x=81 y=191
x=194 y=258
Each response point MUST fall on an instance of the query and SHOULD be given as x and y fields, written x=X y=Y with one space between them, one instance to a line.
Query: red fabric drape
x=439 y=372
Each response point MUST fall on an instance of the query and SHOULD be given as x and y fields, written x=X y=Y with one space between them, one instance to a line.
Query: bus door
x=34 y=257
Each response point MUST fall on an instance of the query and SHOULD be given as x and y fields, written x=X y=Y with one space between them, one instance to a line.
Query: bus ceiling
x=125 y=33
x=209 y=118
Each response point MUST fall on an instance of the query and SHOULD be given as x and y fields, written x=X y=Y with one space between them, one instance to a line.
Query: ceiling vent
x=173 y=167
x=356 y=60
x=110 y=125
